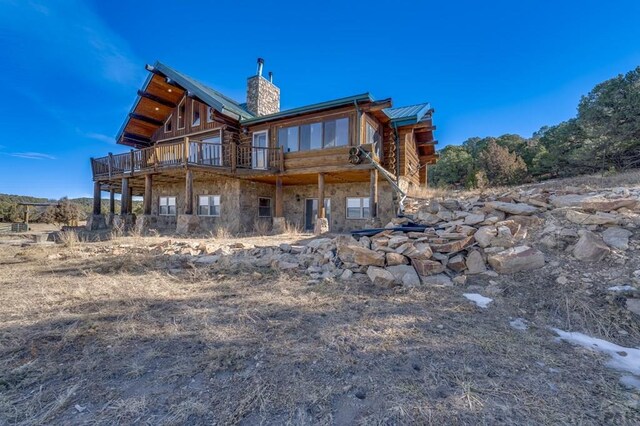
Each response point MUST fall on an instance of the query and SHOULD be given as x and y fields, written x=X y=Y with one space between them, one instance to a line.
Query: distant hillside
x=11 y=212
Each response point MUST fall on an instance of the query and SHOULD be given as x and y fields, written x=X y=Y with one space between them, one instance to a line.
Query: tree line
x=603 y=137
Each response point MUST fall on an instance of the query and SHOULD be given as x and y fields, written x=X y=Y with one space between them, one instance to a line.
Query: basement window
x=264 y=207
x=168 y=126
x=357 y=207
x=167 y=206
x=209 y=205
x=195 y=113
x=181 y=111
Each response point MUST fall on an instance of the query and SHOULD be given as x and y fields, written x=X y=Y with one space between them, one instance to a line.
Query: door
x=259 y=150
x=311 y=212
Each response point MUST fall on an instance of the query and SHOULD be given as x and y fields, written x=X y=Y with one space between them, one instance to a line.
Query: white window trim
x=165 y=124
x=175 y=205
x=209 y=114
x=362 y=216
x=178 y=116
x=270 y=206
x=193 y=104
x=209 y=205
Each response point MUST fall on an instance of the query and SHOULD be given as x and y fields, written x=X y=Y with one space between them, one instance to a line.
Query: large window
x=168 y=206
x=326 y=134
x=357 y=208
x=209 y=205
x=264 y=207
x=195 y=113
x=181 y=112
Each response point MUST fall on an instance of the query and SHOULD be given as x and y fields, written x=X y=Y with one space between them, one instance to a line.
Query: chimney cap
x=260 y=64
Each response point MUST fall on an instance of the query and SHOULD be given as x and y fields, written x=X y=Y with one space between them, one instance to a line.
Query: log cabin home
x=201 y=160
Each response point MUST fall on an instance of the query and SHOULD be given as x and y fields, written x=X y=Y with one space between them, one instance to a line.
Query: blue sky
x=70 y=69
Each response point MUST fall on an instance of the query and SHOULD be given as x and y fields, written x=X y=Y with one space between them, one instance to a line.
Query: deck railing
x=230 y=156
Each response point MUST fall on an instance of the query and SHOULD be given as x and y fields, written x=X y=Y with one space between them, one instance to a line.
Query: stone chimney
x=263 y=97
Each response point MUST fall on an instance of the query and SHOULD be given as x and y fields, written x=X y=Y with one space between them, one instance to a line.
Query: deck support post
x=188 y=193
x=112 y=201
x=278 y=218
x=373 y=194
x=148 y=180
x=124 y=197
x=322 y=224
x=426 y=175
x=97 y=198
x=96 y=220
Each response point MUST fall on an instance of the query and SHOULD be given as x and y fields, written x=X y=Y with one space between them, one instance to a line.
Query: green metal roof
x=406 y=115
x=211 y=97
x=309 y=108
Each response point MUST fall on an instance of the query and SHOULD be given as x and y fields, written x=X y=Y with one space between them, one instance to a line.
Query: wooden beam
x=147 y=193
x=145 y=119
x=188 y=196
x=136 y=137
x=157 y=99
x=321 y=213
x=279 y=209
x=373 y=193
x=377 y=105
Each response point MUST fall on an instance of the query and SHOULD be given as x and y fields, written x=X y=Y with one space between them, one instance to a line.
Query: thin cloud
x=32 y=155
x=99 y=137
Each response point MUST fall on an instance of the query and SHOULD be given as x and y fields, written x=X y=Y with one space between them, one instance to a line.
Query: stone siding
x=263 y=97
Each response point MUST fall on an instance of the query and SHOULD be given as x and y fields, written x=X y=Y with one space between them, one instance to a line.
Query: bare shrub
x=69 y=238
x=262 y=227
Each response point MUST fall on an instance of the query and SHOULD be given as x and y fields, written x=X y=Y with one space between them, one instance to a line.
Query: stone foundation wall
x=239 y=204
x=295 y=196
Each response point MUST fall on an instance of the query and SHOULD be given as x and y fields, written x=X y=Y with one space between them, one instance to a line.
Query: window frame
x=210 y=114
x=184 y=120
x=209 y=205
x=361 y=208
x=170 y=123
x=270 y=207
x=195 y=108
x=168 y=205
x=323 y=123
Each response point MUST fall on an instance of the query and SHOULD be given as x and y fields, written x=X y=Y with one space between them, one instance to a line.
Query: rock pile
x=499 y=234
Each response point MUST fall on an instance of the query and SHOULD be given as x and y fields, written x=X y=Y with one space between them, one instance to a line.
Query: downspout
x=358 y=114
x=396 y=138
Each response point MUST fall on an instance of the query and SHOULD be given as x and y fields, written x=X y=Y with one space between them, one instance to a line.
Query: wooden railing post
x=132 y=161
x=185 y=150
x=281 y=159
x=110 y=164
x=156 y=158
x=93 y=168
x=234 y=156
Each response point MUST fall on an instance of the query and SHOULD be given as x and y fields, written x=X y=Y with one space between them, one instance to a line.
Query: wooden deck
x=227 y=158
x=230 y=159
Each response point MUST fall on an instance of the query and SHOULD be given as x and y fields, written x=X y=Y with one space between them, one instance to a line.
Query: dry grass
x=138 y=338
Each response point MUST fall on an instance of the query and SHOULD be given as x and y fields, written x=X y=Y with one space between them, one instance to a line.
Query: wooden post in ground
x=112 y=201
x=279 y=209
x=147 y=193
x=426 y=175
x=321 y=212
x=97 y=190
x=188 y=196
x=373 y=193
x=124 y=197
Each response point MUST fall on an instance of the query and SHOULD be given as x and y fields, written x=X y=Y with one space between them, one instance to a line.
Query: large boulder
x=607 y=204
x=405 y=275
x=426 y=267
x=360 y=255
x=396 y=259
x=381 y=277
x=453 y=246
x=569 y=200
x=516 y=259
x=616 y=237
x=485 y=234
x=599 y=218
x=590 y=247
x=513 y=208
x=475 y=263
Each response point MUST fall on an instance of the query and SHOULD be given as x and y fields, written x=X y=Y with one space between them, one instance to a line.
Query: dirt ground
x=91 y=336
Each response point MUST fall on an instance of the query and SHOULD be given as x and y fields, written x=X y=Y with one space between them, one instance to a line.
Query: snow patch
x=623 y=359
x=621 y=288
x=478 y=299
x=519 y=324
